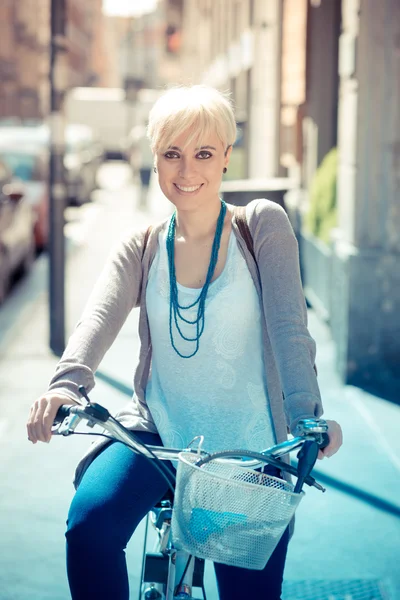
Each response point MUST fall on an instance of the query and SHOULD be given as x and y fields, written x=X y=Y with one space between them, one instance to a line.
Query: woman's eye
x=204 y=154
x=171 y=154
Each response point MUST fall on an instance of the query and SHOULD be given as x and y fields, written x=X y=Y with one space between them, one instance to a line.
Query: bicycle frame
x=311 y=431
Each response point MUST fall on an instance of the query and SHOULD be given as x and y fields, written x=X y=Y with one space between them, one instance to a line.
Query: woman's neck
x=198 y=224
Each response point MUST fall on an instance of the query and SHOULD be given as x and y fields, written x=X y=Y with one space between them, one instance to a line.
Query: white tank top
x=220 y=392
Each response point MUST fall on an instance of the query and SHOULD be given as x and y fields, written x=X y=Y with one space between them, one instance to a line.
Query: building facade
x=307 y=76
x=25 y=54
x=235 y=46
x=366 y=249
x=24 y=39
x=148 y=46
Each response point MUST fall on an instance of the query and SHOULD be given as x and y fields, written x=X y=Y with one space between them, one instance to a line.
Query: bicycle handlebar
x=311 y=430
x=62 y=413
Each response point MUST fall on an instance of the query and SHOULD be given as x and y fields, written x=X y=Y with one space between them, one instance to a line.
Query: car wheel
x=29 y=258
x=5 y=275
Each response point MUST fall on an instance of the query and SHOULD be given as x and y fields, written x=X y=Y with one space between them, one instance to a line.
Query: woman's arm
x=116 y=292
x=285 y=311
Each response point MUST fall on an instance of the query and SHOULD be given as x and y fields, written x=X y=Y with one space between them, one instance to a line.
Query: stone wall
x=366 y=291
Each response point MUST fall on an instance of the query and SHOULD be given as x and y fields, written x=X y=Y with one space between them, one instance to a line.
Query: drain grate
x=353 y=589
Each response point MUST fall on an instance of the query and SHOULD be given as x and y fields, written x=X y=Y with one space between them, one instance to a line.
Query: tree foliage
x=322 y=214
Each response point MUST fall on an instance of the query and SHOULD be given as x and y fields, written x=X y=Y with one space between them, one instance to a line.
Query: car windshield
x=23 y=166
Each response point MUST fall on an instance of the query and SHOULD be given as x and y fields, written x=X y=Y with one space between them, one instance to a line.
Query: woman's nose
x=187 y=167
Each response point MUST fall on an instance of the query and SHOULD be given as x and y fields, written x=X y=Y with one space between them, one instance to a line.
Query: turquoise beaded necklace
x=175 y=309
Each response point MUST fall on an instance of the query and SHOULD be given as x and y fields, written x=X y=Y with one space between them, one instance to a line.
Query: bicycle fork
x=166 y=566
x=180 y=563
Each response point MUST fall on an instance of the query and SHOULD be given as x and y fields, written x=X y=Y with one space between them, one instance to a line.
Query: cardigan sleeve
x=114 y=295
x=294 y=349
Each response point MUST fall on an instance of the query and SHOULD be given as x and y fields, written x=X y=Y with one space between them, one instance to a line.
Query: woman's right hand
x=42 y=415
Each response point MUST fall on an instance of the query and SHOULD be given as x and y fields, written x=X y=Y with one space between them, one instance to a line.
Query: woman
x=221 y=337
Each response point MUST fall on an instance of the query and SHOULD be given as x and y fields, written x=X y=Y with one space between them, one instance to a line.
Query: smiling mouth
x=188 y=189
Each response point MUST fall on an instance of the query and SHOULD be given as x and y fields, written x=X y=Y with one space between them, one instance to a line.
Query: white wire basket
x=230 y=514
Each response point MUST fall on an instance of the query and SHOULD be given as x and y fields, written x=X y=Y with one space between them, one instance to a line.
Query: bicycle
x=203 y=516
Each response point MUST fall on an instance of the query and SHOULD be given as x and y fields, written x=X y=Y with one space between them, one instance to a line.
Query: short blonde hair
x=200 y=109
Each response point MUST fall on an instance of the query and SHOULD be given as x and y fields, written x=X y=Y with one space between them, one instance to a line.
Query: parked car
x=83 y=155
x=17 y=243
x=29 y=164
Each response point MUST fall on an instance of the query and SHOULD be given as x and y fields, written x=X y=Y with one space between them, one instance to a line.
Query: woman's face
x=191 y=178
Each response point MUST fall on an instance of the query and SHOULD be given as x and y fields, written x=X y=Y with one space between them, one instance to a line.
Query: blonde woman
x=221 y=338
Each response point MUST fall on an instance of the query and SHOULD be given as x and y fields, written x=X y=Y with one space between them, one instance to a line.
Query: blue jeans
x=116 y=492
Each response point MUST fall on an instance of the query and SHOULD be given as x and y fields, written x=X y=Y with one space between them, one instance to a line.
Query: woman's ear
x=228 y=152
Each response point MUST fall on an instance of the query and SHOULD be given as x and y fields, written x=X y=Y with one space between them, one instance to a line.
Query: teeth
x=188 y=189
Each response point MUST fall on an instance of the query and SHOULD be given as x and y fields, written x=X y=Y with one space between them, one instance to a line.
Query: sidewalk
x=346 y=545
x=351 y=534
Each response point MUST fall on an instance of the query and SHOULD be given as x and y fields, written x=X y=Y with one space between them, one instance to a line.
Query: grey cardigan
x=289 y=350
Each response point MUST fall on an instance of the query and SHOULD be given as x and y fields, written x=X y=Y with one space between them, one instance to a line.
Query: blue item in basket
x=204 y=523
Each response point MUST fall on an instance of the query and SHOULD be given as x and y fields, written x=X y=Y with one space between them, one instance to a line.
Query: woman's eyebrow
x=201 y=148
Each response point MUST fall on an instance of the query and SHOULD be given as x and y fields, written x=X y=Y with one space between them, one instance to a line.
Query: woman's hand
x=42 y=416
x=335 y=440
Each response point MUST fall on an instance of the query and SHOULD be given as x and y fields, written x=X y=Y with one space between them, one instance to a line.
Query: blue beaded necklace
x=175 y=309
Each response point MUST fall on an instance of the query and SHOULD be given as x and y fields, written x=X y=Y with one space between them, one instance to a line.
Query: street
x=346 y=542
x=37 y=487
x=294 y=101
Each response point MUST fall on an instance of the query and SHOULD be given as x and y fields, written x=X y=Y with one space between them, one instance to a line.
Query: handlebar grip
x=62 y=413
x=325 y=441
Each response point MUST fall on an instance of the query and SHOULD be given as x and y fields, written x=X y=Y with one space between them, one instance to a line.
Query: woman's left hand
x=335 y=440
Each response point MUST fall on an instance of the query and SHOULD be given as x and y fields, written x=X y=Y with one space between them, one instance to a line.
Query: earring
x=224 y=170
x=155 y=170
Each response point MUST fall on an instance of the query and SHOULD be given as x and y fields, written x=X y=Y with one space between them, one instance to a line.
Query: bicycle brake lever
x=67 y=426
x=97 y=411
x=315 y=426
x=305 y=426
